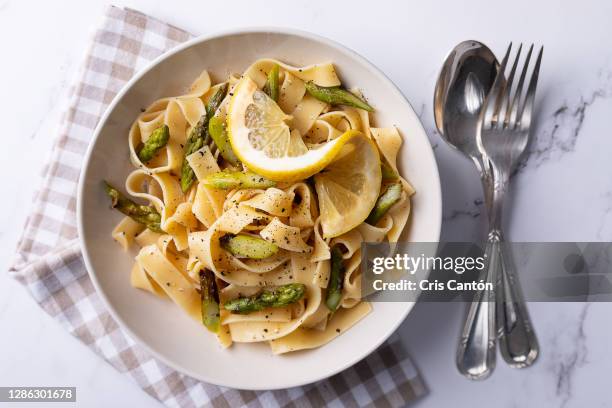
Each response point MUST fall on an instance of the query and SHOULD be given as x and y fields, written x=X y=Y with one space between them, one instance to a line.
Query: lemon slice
x=349 y=187
x=261 y=138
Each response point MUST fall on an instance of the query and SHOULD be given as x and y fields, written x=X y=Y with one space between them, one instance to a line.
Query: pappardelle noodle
x=259 y=191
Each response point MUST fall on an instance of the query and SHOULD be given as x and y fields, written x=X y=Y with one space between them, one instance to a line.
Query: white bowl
x=160 y=326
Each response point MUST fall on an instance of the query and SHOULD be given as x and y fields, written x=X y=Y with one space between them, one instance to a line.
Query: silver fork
x=502 y=137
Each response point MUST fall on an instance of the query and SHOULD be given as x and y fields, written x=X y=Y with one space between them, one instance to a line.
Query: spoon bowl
x=466 y=77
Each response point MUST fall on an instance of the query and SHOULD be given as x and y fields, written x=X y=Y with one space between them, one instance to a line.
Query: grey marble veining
x=558 y=133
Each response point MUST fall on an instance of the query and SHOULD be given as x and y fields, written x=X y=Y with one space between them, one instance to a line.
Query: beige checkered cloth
x=50 y=265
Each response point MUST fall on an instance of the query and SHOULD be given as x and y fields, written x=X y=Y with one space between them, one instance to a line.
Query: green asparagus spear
x=199 y=136
x=271 y=87
x=388 y=174
x=278 y=297
x=215 y=101
x=392 y=195
x=227 y=180
x=216 y=129
x=143 y=214
x=210 y=300
x=195 y=141
x=335 y=95
x=248 y=246
x=157 y=140
x=336 y=280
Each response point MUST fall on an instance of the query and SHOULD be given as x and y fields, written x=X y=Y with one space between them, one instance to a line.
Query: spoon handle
x=517 y=340
x=476 y=351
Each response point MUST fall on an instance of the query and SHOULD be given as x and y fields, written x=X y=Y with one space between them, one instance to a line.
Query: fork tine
x=513 y=108
x=495 y=93
x=527 y=107
x=508 y=86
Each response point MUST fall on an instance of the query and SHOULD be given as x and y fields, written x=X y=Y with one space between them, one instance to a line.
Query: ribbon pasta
x=168 y=265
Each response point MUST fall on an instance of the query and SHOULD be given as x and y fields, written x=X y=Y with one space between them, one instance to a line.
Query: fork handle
x=518 y=343
x=476 y=351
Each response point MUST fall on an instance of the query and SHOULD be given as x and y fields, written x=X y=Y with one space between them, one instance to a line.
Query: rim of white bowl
x=101 y=123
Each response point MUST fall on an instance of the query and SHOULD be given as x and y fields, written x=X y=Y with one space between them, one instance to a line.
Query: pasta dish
x=250 y=198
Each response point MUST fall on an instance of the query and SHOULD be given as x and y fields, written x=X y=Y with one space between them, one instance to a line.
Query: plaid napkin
x=49 y=262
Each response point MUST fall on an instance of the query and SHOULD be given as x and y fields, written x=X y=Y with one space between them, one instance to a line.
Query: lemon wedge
x=349 y=186
x=261 y=138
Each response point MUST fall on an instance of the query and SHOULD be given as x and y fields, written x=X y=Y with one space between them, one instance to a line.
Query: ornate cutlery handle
x=476 y=352
x=517 y=341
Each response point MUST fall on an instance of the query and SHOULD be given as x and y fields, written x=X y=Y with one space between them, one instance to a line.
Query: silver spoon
x=465 y=79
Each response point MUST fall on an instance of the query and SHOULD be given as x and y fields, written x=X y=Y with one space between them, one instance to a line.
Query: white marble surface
x=564 y=191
